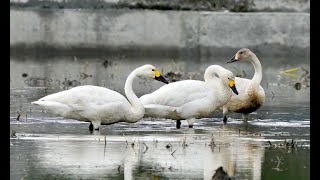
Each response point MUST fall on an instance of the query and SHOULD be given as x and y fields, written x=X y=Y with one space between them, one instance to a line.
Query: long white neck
x=137 y=109
x=257 y=70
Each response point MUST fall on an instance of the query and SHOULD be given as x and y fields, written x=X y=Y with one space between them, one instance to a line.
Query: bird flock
x=181 y=100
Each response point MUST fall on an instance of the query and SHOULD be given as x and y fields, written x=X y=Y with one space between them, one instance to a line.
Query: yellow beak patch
x=157 y=73
x=231 y=83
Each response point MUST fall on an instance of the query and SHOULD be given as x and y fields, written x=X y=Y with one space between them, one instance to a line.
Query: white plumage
x=191 y=99
x=100 y=105
x=251 y=95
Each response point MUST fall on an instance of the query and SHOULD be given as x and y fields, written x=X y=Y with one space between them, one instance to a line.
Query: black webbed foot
x=91 y=127
x=178 y=124
x=225 y=119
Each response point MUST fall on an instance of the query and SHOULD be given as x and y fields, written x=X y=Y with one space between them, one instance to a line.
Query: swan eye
x=152 y=69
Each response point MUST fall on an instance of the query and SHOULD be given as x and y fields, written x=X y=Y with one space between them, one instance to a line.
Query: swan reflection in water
x=132 y=156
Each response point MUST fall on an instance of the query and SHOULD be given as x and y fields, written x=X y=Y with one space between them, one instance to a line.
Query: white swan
x=100 y=105
x=251 y=95
x=191 y=99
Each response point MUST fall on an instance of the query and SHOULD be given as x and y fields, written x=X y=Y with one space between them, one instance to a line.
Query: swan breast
x=255 y=99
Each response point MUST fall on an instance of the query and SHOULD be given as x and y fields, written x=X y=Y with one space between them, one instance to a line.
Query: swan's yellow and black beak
x=232 y=85
x=233 y=59
x=159 y=77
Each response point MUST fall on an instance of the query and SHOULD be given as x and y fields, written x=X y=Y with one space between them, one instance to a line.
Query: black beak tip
x=232 y=60
x=162 y=79
x=234 y=89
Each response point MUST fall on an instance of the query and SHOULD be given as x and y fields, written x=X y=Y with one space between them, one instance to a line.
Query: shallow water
x=47 y=147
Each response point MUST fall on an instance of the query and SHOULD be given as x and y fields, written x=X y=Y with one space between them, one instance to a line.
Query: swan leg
x=225 y=112
x=91 y=127
x=178 y=124
x=190 y=122
x=225 y=119
x=96 y=125
x=245 y=117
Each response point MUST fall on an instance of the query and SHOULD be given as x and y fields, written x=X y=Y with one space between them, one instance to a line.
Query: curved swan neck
x=257 y=70
x=210 y=72
x=137 y=107
x=209 y=75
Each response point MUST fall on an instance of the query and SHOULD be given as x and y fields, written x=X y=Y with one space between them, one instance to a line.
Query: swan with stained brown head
x=251 y=95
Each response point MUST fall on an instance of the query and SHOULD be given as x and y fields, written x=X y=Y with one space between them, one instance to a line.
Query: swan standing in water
x=191 y=99
x=100 y=105
x=251 y=95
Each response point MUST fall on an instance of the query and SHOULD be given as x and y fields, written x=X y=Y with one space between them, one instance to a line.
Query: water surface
x=48 y=147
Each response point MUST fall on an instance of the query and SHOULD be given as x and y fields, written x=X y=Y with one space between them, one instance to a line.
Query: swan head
x=149 y=71
x=228 y=78
x=232 y=85
x=242 y=54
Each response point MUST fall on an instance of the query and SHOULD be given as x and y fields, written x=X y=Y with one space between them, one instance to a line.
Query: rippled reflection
x=146 y=153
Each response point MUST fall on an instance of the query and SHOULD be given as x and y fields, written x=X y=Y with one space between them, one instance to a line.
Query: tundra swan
x=251 y=95
x=191 y=99
x=100 y=105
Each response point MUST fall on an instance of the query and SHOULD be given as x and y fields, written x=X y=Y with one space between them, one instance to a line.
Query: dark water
x=47 y=147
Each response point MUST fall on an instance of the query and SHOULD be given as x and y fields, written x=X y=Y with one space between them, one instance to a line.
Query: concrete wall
x=112 y=29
